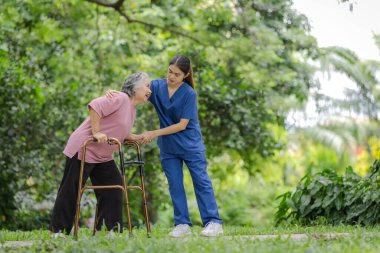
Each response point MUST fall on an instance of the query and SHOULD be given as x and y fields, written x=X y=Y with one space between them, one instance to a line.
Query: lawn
x=236 y=239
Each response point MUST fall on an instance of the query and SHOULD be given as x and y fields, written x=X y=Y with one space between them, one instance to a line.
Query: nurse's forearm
x=169 y=130
x=175 y=128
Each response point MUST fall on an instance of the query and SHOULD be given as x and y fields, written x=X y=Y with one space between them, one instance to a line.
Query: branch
x=150 y=25
x=117 y=6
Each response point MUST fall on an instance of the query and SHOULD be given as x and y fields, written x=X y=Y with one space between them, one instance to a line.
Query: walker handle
x=96 y=140
x=109 y=140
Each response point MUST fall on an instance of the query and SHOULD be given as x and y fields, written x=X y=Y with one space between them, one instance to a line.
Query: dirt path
x=13 y=244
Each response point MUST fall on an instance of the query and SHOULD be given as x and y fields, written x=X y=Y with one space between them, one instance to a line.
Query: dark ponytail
x=184 y=64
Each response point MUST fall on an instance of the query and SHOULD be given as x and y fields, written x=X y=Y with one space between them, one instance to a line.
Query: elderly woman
x=108 y=118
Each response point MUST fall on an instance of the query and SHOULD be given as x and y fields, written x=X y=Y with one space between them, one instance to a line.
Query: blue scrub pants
x=172 y=165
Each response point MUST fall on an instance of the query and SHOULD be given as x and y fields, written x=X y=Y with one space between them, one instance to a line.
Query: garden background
x=255 y=63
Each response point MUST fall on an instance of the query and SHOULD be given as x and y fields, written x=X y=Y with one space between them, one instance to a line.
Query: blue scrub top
x=181 y=105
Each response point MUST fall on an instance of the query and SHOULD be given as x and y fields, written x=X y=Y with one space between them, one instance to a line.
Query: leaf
x=317 y=203
x=315 y=189
x=355 y=211
x=339 y=202
x=324 y=181
x=291 y=204
x=305 y=201
x=328 y=200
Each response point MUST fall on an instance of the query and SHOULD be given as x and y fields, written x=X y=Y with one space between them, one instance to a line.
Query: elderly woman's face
x=142 y=91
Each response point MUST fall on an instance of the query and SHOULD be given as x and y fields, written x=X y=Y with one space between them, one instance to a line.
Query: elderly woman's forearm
x=95 y=121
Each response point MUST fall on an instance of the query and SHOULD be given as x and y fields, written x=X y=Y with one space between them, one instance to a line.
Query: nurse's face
x=175 y=75
x=142 y=91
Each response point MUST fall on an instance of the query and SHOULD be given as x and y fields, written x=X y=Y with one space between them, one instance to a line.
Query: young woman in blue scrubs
x=180 y=141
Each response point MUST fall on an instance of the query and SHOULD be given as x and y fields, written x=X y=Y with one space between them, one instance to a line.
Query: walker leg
x=127 y=209
x=145 y=206
x=96 y=219
x=76 y=226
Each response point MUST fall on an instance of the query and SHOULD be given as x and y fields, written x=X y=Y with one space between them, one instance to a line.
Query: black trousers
x=109 y=200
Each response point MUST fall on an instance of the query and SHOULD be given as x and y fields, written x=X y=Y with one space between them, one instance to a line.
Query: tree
x=365 y=98
x=346 y=125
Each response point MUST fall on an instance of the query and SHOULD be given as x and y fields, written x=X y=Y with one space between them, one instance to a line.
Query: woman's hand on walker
x=111 y=93
x=100 y=137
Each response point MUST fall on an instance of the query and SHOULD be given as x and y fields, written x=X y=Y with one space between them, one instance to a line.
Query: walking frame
x=124 y=187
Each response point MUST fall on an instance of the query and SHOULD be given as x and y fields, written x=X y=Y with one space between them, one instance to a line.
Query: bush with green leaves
x=348 y=199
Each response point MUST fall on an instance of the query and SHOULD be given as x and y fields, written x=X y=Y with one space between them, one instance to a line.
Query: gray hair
x=132 y=81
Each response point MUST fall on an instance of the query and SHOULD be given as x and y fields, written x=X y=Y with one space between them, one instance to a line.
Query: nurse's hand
x=136 y=137
x=100 y=137
x=148 y=136
x=111 y=93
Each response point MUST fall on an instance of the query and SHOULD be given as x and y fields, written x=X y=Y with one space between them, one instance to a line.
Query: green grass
x=361 y=239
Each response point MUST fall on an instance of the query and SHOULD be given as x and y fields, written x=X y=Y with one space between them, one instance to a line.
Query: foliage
x=350 y=2
x=344 y=126
x=348 y=199
x=364 y=99
x=242 y=200
x=335 y=141
x=366 y=154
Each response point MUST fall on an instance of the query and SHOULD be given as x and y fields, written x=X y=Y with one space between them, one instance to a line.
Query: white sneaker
x=180 y=230
x=112 y=235
x=57 y=235
x=212 y=229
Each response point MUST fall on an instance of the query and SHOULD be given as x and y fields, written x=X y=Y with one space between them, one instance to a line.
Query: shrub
x=348 y=199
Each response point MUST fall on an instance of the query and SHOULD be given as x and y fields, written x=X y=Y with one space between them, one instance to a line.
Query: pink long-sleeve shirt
x=116 y=120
